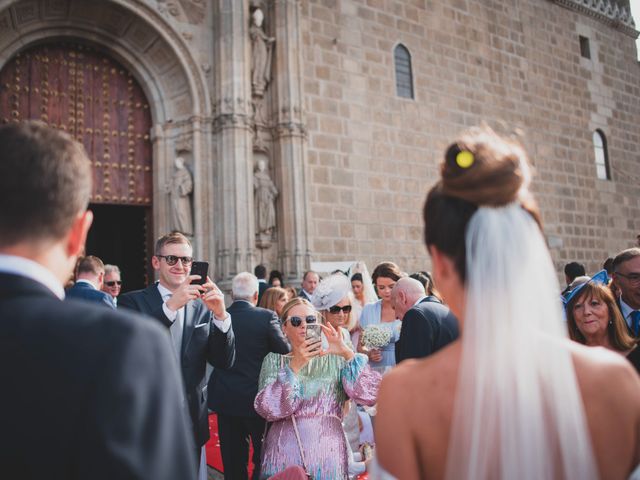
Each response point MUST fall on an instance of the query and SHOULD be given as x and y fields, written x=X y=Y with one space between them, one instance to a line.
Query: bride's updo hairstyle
x=480 y=169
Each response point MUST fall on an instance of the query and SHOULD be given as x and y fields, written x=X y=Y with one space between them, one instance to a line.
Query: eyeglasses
x=336 y=309
x=632 y=277
x=172 y=260
x=297 y=321
x=113 y=283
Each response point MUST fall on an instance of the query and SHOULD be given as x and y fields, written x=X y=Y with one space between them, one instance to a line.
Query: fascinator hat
x=330 y=291
x=600 y=278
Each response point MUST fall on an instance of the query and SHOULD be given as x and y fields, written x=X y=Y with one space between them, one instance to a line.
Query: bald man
x=427 y=325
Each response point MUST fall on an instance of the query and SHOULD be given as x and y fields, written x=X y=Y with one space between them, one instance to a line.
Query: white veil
x=518 y=411
x=369 y=292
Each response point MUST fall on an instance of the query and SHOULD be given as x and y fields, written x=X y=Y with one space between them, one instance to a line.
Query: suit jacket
x=262 y=287
x=257 y=332
x=426 y=328
x=301 y=294
x=629 y=329
x=202 y=342
x=98 y=387
x=84 y=291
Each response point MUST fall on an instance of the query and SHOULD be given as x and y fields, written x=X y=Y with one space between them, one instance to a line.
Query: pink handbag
x=295 y=472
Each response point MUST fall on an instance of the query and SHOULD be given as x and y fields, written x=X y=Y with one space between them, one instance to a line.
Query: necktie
x=635 y=322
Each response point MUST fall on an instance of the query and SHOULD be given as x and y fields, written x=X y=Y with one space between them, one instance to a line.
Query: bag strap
x=295 y=429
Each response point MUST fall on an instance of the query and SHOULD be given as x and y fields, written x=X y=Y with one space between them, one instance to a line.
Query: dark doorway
x=119 y=236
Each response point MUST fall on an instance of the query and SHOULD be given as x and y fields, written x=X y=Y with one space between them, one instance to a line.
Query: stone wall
x=514 y=65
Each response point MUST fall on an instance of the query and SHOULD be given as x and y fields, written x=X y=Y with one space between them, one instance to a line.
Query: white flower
x=376 y=336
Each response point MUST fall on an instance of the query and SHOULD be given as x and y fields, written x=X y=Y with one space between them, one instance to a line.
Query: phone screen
x=202 y=269
x=314 y=332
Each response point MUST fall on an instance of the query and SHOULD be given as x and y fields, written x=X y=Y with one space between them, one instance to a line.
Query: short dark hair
x=356 y=277
x=386 y=270
x=276 y=274
x=625 y=256
x=45 y=182
x=90 y=264
x=260 y=271
x=169 y=239
x=573 y=270
x=304 y=277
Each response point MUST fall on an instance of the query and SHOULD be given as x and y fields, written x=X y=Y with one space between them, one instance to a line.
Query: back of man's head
x=244 y=286
x=45 y=182
x=573 y=270
x=89 y=266
x=410 y=287
x=260 y=271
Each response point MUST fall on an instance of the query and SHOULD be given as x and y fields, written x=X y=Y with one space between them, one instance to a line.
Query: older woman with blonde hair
x=594 y=319
x=302 y=395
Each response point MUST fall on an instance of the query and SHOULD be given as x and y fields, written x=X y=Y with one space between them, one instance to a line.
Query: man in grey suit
x=98 y=389
x=197 y=320
x=232 y=392
x=89 y=282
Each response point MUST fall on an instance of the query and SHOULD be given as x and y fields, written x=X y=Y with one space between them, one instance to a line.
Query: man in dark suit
x=89 y=282
x=427 y=325
x=232 y=392
x=197 y=320
x=261 y=274
x=310 y=281
x=626 y=276
x=96 y=388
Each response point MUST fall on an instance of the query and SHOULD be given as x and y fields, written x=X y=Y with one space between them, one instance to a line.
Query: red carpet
x=214 y=457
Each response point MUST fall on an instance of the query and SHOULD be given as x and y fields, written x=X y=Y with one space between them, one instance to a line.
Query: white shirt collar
x=164 y=291
x=28 y=268
x=262 y=280
x=309 y=295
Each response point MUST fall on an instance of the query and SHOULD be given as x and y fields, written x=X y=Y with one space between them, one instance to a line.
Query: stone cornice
x=604 y=11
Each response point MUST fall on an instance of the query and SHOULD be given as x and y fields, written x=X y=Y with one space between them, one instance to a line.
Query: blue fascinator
x=600 y=278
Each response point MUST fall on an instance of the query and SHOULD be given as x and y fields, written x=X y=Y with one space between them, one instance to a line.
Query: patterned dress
x=316 y=396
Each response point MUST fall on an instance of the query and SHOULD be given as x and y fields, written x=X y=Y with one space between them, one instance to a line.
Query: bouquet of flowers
x=376 y=336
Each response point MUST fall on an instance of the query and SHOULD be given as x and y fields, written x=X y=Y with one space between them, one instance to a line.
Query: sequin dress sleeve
x=359 y=381
x=279 y=390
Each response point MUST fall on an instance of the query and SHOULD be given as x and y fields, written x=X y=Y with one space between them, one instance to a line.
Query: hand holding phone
x=202 y=269
x=314 y=334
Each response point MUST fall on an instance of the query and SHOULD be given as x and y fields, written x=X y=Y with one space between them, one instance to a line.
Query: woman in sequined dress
x=313 y=385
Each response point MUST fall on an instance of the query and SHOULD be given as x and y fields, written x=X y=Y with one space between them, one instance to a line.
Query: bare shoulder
x=412 y=395
x=605 y=372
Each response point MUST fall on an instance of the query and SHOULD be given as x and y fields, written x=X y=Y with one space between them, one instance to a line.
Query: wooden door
x=80 y=90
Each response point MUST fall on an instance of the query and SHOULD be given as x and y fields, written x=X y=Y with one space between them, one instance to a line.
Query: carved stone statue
x=261 y=53
x=179 y=189
x=265 y=194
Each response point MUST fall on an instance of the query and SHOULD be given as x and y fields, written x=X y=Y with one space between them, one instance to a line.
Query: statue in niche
x=180 y=188
x=261 y=53
x=265 y=194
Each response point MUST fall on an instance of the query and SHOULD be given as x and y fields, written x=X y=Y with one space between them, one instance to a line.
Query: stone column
x=290 y=141
x=233 y=216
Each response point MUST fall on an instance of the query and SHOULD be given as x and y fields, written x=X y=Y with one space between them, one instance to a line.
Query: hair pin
x=464 y=159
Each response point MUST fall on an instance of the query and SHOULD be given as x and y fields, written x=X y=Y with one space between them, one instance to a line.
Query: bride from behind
x=513 y=397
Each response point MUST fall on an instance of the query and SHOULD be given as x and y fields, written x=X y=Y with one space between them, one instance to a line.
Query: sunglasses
x=113 y=283
x=172 y=260
x=297 y=321
x=336 y=309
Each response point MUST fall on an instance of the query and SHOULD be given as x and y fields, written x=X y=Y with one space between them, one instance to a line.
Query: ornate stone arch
x=139 y=37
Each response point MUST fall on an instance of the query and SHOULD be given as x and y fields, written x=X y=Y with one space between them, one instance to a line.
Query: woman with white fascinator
x=513 y=397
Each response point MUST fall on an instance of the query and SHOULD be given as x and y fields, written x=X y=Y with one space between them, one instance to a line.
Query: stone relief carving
x=605 y=11
x=265 y=194
x=191 y=11
x=261 y=53
x=180 y=189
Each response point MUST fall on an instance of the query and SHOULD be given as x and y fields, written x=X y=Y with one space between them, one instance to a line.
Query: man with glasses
x=89 y=283
x=112 y=283
x=626 y=275
x=197 y=320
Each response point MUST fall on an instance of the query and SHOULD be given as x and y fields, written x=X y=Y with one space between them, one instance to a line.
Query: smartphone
x=314 y=333
x=202 y=269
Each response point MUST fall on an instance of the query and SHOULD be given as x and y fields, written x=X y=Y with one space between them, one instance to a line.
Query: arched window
x=601 y=155
x=404 y=75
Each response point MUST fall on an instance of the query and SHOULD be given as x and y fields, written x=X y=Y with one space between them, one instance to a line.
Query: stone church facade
x=288 y=132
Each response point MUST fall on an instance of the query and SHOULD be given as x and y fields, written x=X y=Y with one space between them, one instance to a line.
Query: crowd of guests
x=484 y=360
